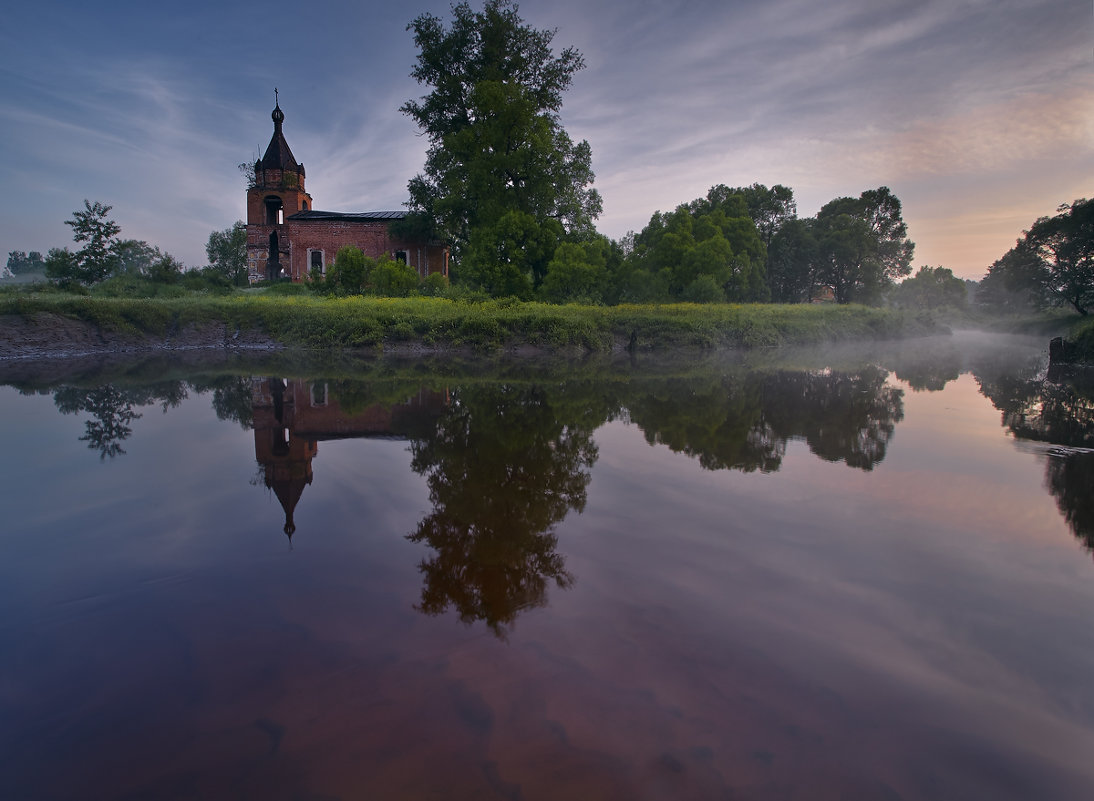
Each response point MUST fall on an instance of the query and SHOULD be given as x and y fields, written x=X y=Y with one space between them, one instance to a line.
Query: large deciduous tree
x=862 y=245
x=770 y=208
x=499 y=159
x=20 y=262
x=930 y=288
x=1054 y=260
x=137 y=257
x=708 y=250
x=792 y=262
x=98 y=258
x=227 y=252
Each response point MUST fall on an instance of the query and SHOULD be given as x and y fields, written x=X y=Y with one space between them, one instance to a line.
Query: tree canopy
x=862 y=245
x=706 y=251
x=104 y=255
x=1053 y=262
x=98 y=258
x=502 y=177
x=21 y=263
x=227 y=253
x=930 y=288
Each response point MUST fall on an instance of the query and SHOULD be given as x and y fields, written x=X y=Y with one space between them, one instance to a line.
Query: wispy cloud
x=957 y=105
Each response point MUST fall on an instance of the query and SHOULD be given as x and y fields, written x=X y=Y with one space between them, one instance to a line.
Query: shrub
x=704 y=289
x=433 y=285
x=393 y=279
x=350 y=271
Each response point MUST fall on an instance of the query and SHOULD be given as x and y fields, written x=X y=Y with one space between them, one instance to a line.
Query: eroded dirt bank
x=48 y=335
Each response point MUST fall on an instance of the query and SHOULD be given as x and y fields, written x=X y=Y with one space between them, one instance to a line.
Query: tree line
x=1051 y=264
x=512 y=194
x=104 y=255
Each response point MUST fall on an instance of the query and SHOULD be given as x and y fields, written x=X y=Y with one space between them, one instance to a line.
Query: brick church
x=287 y=237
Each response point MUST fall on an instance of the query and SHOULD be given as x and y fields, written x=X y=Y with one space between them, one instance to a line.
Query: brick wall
x=371 y=237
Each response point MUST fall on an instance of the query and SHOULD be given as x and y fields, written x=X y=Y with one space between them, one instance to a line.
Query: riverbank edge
x=33 y=328
x=1080 y=337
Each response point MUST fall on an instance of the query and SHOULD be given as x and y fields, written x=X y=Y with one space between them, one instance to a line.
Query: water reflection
x=291 y=417
x=112 y=409
x=810 y=631
x=1056 y=409
x=505 y=464
x=928 y=366
x=506 y=459
x=743 y=421
x=1070 y=479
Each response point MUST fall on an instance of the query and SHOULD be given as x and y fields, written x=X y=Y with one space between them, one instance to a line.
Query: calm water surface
x=863 y=575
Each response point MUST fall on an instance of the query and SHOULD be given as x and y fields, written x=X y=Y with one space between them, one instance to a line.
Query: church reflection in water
x=291 y=417
x=507 y=458
x=504 y=463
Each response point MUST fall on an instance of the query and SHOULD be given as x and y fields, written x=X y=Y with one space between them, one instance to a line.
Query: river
x=789 y=574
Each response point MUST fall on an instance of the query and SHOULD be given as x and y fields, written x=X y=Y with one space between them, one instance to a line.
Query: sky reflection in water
x=737 y=579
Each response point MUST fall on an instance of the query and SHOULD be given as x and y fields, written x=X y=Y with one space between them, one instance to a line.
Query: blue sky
x=979 y=115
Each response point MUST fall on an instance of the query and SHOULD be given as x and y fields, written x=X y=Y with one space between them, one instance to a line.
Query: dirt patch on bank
x=48 y=335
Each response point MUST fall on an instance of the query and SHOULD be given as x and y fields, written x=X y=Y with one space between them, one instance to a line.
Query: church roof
x=278 y=155
x=362 y=216
x=288 y=489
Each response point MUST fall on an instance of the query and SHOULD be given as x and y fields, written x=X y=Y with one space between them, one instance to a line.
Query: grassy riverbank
x=367 y=322
x=1082 y=334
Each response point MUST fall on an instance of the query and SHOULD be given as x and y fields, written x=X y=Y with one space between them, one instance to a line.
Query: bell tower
x=278 y=192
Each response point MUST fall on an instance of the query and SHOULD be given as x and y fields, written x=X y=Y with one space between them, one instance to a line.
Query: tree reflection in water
x=232 y=398
x=112 y=409
x=928 y=365
x=1070 y=479
x=507 y=459
x=744 y=421
x=1057 y=410
x=504 y=465
x=507 y=462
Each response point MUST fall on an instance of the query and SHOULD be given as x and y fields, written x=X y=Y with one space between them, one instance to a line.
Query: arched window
x=275 y=212
x=273 y=261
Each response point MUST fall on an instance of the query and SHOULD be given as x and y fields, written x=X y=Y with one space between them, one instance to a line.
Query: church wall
x=371 y=237
x=258 y=245
x=278 y=175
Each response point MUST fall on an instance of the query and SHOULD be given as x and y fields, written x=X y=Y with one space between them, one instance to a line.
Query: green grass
x=1082 y=334
x=369 y=322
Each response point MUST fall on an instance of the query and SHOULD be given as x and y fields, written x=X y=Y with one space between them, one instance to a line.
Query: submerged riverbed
x=789 y=574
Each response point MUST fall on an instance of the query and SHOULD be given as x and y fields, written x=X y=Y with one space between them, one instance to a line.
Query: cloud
x=968 y=102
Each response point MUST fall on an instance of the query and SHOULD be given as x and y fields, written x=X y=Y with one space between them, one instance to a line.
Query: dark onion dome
x=278 y=155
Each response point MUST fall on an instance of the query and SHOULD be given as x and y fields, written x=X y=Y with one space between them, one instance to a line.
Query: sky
x=977 y=114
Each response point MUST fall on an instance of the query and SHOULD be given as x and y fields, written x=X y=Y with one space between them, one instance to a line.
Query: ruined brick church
x=288 y=237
